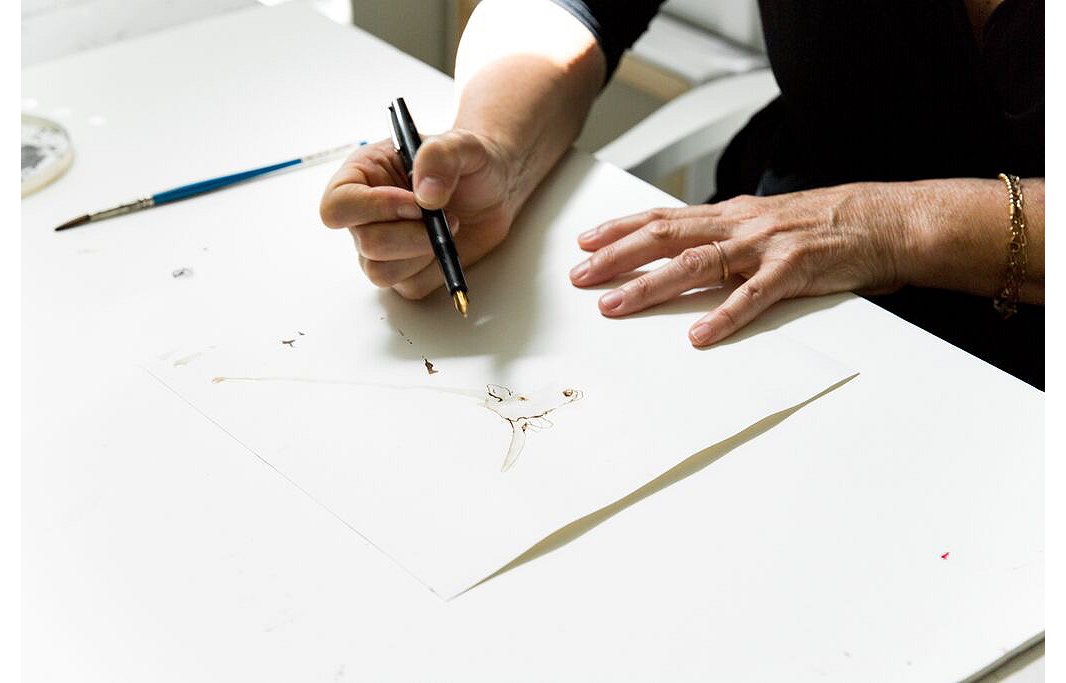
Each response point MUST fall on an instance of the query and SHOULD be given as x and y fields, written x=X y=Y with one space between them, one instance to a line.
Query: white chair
x=718 y=53
x=691 y=127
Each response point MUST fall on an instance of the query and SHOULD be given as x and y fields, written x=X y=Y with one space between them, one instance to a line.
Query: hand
x=844 y=238
x=459 y=171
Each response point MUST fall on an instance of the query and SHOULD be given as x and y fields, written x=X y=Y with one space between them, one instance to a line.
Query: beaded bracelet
x=1006 y=302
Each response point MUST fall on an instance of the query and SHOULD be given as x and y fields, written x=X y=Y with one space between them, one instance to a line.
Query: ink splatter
x=524 y=413
x=289 y=342
x=945 y=555
x=181 y=272
x=429 y=366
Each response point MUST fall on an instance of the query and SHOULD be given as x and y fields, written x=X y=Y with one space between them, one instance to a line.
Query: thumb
x=441 y=162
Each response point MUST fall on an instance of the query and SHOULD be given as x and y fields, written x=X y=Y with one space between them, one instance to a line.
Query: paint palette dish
x=46 y=152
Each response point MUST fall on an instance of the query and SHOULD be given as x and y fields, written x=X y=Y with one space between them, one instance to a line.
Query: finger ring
x=725 y=264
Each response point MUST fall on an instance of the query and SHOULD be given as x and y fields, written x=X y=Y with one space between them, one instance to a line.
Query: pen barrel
x=405 y=135
x=444 y=249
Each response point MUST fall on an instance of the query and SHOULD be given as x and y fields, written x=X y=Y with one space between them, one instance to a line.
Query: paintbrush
x=204 y=186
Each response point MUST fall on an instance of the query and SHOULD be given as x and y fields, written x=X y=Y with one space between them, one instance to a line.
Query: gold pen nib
x=461 y=302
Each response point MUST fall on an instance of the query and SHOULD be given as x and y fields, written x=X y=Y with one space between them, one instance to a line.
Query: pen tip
x=73 y=223
x=462 y=304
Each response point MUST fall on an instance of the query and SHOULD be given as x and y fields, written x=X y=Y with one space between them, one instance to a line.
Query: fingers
x=613 y=230
x=441 y=161
x=768 y=286
x=352 y=204
x=655 y=240
x=396 y=241
x=369 y=187
x=695 y=267
x=429 y=278
x=417 y=277
x=391 y=273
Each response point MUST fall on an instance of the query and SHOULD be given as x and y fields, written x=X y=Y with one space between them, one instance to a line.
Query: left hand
x=844 y=238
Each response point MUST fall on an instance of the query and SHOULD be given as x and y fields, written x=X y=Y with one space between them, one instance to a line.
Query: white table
x=157 y=548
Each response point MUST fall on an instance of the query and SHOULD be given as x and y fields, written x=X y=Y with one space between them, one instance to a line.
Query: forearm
x=526 y=73
x=958 y=232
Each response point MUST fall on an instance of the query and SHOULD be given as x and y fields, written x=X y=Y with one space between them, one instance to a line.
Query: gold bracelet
x=1006 y=302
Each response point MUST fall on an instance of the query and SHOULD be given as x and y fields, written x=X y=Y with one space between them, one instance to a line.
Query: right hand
x=466 y=174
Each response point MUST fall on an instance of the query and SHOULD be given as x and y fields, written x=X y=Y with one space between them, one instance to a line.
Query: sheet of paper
x=454 y=445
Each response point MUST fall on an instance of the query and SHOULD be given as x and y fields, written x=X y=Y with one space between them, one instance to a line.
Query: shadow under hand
x=702 y=301
x=507 y=305
x=685 y=468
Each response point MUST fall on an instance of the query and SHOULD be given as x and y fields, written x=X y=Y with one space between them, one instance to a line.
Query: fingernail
x=587 y=235
x=580 y=271
x=700 y=334
x=409 y=211
x=611 y=300
x=430 y=190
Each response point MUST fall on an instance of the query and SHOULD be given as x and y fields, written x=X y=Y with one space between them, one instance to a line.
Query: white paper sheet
x=338 y=396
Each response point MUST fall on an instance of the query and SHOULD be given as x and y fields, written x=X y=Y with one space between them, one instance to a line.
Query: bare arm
x=527 y=73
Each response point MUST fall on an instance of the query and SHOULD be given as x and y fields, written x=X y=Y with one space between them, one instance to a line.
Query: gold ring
x=725 y=264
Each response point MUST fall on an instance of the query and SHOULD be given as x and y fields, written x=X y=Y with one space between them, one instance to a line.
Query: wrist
x=959 y=232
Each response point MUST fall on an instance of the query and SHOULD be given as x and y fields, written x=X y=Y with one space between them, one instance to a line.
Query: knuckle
x=604 y=257
x=377 y=272
x=753 y=291
x=693 y=261
x=641 y=288
x=370 y=245
x=730 y=319
x=660 y=213
x=411 y=289
x=662 y=230
x=328 y=212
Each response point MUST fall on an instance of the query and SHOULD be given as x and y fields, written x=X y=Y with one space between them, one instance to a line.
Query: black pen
x=407 y=141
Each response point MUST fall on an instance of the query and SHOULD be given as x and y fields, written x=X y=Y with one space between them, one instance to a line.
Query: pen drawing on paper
x=525 y=412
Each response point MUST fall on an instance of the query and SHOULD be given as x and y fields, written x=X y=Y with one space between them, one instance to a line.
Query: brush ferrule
x=128 y=207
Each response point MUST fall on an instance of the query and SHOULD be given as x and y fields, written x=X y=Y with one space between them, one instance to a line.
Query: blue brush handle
x=193 y=189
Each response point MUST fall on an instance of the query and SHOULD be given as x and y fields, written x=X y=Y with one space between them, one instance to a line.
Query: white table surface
x=157 y=548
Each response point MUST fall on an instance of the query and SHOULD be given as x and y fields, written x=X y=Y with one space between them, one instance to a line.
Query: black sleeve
x=616 y=25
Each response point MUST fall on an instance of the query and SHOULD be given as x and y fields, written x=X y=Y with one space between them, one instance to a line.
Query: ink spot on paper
x=524 y=413
x=289 y=342
x=945 y=555
x=181 y=272
x=218 y=380
x=429 y=366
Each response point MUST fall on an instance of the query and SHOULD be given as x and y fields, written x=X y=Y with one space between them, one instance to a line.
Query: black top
x=882 y=91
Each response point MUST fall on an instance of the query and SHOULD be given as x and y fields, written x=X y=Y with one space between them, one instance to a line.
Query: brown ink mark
x=524 y=413
x=289 y=342
x=181 y=272
x=429 y=366
x=300 y=333
x=218 y=380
